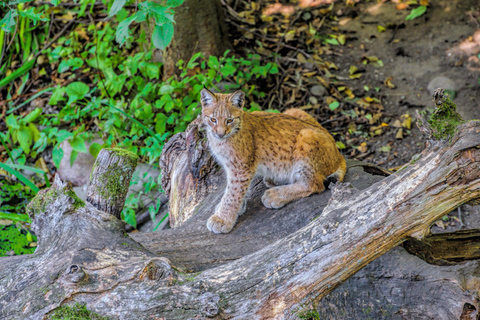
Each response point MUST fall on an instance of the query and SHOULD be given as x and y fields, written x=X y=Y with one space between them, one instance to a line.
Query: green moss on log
x=74 y=312
x=114 y=179
x=48 y=196
x=445 y=120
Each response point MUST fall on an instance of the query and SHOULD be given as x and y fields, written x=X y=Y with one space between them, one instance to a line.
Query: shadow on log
x=85 y=256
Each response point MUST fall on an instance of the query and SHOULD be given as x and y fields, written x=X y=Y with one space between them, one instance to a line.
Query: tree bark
x=200 y=27
x=85 y=256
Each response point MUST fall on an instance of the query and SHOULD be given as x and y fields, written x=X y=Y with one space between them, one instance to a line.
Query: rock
x=318 y=90
x=81 y=191
x=442 y=82
x=79 y=173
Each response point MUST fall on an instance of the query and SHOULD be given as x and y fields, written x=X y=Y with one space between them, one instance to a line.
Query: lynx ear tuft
x=207 y=98
x=238 y=98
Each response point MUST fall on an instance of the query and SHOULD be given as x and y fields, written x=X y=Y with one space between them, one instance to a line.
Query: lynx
x=291 y=151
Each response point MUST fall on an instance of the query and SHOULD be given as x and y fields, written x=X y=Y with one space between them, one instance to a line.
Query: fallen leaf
x=301 y=58
x=385 y=149
x=381 y=28
x=407 y=121
x=399 y=134
x=397 y=124
x=363 y=147
x=388 y=83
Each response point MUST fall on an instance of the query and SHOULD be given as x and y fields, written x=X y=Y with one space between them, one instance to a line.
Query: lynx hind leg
x=312 y=154
x=300 y=114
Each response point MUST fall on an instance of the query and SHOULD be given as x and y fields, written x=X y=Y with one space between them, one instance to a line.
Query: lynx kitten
x=291 y=151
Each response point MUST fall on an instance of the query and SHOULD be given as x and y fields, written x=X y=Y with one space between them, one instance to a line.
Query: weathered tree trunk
x=200 y=27
x=85 y=256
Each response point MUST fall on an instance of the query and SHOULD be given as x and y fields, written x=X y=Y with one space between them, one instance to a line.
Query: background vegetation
x=74 y=71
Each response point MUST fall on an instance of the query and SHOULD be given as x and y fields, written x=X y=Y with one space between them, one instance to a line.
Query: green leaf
x=57 y=155
x=332 y=41
x=8 y=22
x=15 y=217
x=32 y=116
x=94 y=149
x=76 y=91
x=55 y=2
x=334 y=105
x=12 y=122
x=162 y=35
x=63 y=66
x=228 y=70
x=130 y=217
x=174 y=3
x=123 y=32
x=75 y=63
x=57 y=96
x=213 y=62
x=73 y=157
x=166 y=89
x=25 y=138
x=417 y=12
x=340 y=145
x=191 y=63
x=19 y=176
x=30 y=14
x=78 y=144
x=116 y=6
x=160 y=123
x=62 y=135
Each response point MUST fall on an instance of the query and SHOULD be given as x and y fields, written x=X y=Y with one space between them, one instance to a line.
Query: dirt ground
x=443 y=43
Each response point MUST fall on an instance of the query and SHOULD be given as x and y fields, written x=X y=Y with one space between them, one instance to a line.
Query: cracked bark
x=85 y=256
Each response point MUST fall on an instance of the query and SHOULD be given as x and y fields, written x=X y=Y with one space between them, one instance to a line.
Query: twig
x=92 y=20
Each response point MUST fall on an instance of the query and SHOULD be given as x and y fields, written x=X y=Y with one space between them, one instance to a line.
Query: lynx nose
x=220 y=133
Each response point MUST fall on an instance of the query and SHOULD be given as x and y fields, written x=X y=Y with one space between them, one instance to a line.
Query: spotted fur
x=291 y=151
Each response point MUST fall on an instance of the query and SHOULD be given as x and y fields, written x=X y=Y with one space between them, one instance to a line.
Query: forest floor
x=437 y=49
x=362 y=70
x=380 y=67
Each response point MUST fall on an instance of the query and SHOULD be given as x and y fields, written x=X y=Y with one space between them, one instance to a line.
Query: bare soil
x=443 y=42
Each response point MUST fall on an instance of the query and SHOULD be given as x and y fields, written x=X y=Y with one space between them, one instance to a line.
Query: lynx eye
x=229 y=121
x=214 y=120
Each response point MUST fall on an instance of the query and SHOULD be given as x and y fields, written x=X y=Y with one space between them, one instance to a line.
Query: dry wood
x=92 y=261
x=110 y=179
x=85 y=256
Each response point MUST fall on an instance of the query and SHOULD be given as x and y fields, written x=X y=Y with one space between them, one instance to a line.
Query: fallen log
x=85 y=256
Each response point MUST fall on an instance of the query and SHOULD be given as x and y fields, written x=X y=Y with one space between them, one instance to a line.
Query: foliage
x=161 y=13
x=309 y=314
x=128 y=103
x=14 y=197
x=75 y=312
x=16 y=240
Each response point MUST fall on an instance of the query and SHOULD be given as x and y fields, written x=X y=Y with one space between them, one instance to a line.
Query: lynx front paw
x=217 y=224
x=273 y=200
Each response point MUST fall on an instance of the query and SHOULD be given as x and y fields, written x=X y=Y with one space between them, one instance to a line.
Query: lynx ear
x=207 y=98
x=238 y=98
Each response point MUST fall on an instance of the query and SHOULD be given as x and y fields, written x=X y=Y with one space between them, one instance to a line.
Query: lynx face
x=222 y=113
